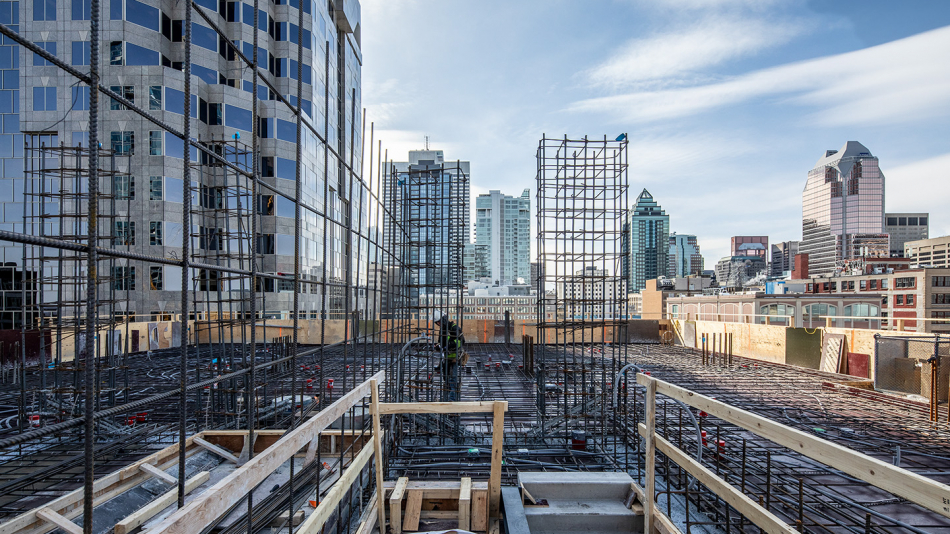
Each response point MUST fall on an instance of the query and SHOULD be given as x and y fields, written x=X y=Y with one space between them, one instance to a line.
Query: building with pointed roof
x=645 y=242
x=843 y=210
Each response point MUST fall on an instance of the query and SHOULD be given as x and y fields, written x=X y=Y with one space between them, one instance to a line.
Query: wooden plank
x=663 y=524
x=338 y=490
x=52 y=517
x=916 y=488
x=465 y=504
x=413 y=507
x=153 y=508
x=104 y=489
x=762 y=518
x=497 y=440
x=649 y=506
x=438 y=407
x=395 y=505
x=158 y=473
x=378 y=454
x=480 y=511
x=368 y=525
x=227 y=455
x=212 y=504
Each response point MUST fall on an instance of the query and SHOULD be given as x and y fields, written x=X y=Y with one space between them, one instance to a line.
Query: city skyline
x=720 y=108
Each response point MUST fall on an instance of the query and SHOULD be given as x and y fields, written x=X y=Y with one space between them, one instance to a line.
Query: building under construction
x=247 y=344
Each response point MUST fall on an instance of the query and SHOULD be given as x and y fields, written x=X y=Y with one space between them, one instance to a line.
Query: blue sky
x=727 y=103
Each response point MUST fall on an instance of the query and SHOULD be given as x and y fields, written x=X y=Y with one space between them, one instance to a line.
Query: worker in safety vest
x=451 y=341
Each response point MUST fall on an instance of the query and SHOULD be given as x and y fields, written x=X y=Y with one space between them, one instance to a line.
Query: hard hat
x=436 y=315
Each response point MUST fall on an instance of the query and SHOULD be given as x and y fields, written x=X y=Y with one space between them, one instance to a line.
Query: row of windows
x=941 y=298
x=907 y=221
x=940 y=281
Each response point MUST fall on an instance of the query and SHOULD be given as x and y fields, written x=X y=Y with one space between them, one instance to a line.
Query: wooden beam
x=663 y=524
x=331 y=500
x=916 y=488
x=227 y=455
x=104 y=489
x=52 y=517
x=395 y=505
x=367 y=525
x=153 y=508
x=386 y=408
x=465 y=504
x=649 y=506
x=212 y=504
x=158 y=473
x=413 y=508
x=761 y=517
x=497 y=441
x=378 y=455
x=480 y=510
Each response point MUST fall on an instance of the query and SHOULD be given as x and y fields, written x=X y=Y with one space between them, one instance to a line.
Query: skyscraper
x=783 y=258
x=503 y=227
x=750 y=245
x=645 y=243
x=142 y=59
x=684 y=256
x=843 y=209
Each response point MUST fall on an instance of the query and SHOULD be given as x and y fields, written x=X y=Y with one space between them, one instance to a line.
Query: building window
x=873 y=284
x=49 y=46
x=155 y=97
x=123 y=233
x=884 y=283
x=125 y=91
x=941 y=298
x=156 y=278
x=898 y=300
x=81 y=53
x=905 y=283
x=265 y=244
x=123 y=143
x=155 y=143
x=864 y=285
x=941 y=281
x=155 y=188
x=910 y=300
x=81 y=10
x=207 y=280
x=44 y=9
x=116 y=56
x=44 y=98
x=155 y=233
x=123 y=187
x=123 y=278
x=80 y=100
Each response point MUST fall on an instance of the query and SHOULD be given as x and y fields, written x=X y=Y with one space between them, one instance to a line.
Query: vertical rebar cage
x=582 y=197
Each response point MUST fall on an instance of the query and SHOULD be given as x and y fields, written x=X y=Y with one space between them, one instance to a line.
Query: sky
x=727 y=103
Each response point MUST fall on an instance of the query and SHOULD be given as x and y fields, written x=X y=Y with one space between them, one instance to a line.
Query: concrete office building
x=783 y=258
x=503 y=227
x=645 y=242
x=904 y=227
x=684 y=256
x=142 y=56
x=843 y=209
x=928 y=252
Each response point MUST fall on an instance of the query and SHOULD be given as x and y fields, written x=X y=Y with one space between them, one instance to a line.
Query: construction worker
x=451 y=341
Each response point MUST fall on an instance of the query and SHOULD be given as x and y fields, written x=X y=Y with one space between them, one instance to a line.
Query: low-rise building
x=928 y=252
x=904 y=227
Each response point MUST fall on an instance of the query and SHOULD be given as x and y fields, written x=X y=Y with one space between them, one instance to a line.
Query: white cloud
x=894 y=82
x=921 y=186
x=709 y=42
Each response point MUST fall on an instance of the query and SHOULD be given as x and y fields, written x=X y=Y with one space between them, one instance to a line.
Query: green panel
x=803 y=347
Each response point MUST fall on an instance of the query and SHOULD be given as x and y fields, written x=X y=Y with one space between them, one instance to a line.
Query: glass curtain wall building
x=142 y=60
x=684 y=256
x=502 y=228
x=645 y=243
x=843 y=210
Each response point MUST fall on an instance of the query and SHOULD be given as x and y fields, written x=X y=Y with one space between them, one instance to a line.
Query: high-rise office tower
x=645 y=243
x=431 y=198
x=904 y=227
x=503 y=227
x=843 y=209
x=141 y=60
x=684 y=256
x=783 y=258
